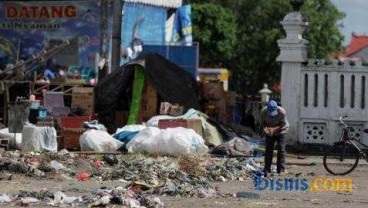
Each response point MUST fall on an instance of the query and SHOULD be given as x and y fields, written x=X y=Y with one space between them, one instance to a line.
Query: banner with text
x=29 y=28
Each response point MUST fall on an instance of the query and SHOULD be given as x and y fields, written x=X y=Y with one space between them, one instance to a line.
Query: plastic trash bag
x=171 y=141
x=127 y=133
x=39 y=139
x=99 y=141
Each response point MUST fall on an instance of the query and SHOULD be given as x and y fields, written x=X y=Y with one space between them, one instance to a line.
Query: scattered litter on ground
x=99 y=198
x=154 y=176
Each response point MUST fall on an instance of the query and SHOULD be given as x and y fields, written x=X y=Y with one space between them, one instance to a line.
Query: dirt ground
x=245 y=195
x=249 y=197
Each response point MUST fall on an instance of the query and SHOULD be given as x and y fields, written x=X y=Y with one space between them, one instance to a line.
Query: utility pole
x=104 y=40
x=116 y=35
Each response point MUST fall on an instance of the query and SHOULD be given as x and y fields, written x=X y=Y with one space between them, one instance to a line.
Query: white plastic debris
x=222 y=178
x=28 y=200
x=158 y=202
x=129 y=202
x=103 y=201
x=5 y=198
x=61 y=198
x=63 y=152
x=249 y=167
x=56 y=165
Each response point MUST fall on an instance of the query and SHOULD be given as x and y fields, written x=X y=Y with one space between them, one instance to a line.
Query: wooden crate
x=69 y=138
x=71 y=129
x=195 y=124
x=73 y=121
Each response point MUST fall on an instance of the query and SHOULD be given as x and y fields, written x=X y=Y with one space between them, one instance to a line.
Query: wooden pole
x=104 y=40
x=116 y=34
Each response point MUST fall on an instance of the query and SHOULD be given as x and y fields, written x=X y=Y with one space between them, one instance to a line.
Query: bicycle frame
x=346 y=137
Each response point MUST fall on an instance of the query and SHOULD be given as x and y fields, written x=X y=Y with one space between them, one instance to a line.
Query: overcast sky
x=356 y=19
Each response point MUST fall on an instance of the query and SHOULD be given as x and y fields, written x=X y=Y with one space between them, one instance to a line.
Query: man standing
x=275 y=125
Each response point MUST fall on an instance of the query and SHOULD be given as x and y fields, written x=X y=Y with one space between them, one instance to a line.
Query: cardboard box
x=71 y=129
x=69 y=138
x=171 y=109
x=73 y=122
x=176 y=110
x=213 y=90
x=83 y=97
x=195 y=124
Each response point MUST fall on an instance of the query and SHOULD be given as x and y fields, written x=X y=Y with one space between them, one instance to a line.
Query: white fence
x=315 y=93
x=329 y=90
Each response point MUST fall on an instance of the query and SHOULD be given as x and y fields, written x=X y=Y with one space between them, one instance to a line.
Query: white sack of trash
x=39 y=139
x=171 y=141
x=99 y=141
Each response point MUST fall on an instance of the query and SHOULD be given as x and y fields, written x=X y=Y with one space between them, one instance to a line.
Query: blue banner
x=184 y=56
x=37 y=26
x=141 y=24
x=182 y=32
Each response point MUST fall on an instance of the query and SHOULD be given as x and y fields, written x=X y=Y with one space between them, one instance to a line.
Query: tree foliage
x=215 y=30
x=250 y=49
x=323 y=32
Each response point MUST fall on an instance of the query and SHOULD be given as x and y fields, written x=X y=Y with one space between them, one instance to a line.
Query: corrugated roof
x=162 y=3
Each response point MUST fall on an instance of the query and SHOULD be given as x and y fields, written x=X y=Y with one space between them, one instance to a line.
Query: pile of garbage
x=99 y=198
x=186 y=176
x=47 y=165
x=160 y=175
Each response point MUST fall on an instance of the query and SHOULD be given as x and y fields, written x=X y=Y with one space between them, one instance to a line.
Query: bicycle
x=345 y=153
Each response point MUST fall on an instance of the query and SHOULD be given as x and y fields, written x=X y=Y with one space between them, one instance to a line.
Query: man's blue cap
x=272 y=108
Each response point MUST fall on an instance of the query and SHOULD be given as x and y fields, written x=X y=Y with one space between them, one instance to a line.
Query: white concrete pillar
x=293 y=52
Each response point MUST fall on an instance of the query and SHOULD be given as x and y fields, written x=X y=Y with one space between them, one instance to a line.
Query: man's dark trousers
x=270 y=145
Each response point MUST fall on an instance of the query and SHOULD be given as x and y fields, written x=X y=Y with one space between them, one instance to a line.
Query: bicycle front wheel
x=341 y=158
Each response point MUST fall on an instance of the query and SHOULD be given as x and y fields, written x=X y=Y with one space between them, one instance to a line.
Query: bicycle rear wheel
x=341 y=158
